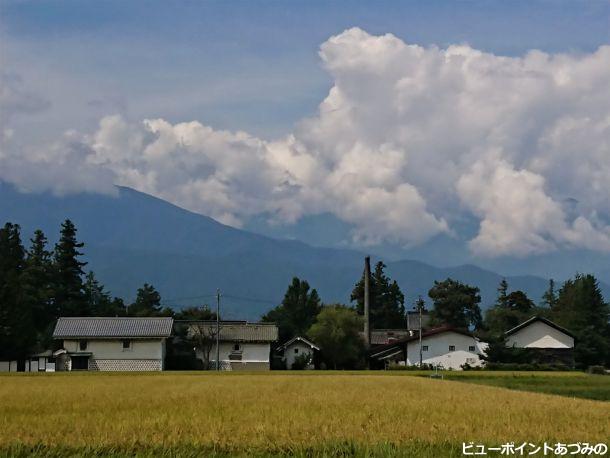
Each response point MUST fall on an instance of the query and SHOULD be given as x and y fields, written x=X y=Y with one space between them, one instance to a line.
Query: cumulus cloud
x=407 y=139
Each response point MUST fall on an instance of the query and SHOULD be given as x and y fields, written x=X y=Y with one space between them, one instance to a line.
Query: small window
x=471 y=348
x=82 y=345
x=451 y=347
x=296 y=351
x=424 y=348
x=126 y=344
x=236 y=347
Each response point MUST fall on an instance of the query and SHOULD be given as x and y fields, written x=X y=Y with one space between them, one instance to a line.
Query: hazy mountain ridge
x=134 y=238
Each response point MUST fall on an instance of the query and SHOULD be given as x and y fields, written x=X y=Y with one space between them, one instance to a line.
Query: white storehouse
x=243 y=345
x=112 y=344
x=296 y=348
x=445 y=347
x=538 y=332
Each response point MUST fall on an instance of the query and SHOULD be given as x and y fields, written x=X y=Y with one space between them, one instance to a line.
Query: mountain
x=132 y=238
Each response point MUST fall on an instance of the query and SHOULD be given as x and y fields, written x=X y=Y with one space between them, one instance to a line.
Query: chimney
x=367 y=320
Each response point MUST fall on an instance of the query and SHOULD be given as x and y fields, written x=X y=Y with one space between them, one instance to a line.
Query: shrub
x=599 y=370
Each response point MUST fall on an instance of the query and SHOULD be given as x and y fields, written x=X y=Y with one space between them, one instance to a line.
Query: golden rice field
x=337 y=414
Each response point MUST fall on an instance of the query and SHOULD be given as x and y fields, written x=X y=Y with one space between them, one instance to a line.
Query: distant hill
x=132 y=238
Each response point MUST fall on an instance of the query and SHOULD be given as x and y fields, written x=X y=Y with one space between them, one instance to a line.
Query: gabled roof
x=116 y=327
x=541 y=319
x=429 y=333
x=299 y=339
x=236 y=331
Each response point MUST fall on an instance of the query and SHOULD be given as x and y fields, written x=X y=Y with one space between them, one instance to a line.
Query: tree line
x=38 y=284
x=578 y=306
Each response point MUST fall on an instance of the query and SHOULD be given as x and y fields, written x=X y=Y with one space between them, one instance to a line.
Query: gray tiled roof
x=384 y=336
x=237 y=331
x=113 y=327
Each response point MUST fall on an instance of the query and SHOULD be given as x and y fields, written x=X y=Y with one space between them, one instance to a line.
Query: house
x=445 y=347
x=243 y=345
x=111 y=344
x=548 y=343
x=296 y=348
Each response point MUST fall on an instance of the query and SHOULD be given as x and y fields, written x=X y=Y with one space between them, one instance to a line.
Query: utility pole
x=367 y=293
x=419 y=305
x=218 y=329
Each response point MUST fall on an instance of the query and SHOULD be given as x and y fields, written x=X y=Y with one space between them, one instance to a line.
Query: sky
x=402 y=121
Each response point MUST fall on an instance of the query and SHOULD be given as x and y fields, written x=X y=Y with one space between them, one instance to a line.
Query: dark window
x=451 y=347
x=471 y=348
x=236 y=347
x=296 y=350
x=82 y=345
x=424 y=348
x=126 y=344
x=80 y=363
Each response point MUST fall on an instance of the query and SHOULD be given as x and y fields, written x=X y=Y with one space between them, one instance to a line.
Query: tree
x=16 y=321
x=203 y=336
x=337 y=331
x=297 y=311
x=502 y=293
x=455 y=304
x=549 y=298
x=37 y=284
x=203 y=313
x=581 y=308
x=513 y=309
x=147 y=303
x=100 y=301
x=68 y=291
x=387 y=302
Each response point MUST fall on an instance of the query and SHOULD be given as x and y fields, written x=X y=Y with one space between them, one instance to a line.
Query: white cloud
x=407 y=139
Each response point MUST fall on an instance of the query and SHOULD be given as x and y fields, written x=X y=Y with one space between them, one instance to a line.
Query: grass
x=321 y=414
x=572 y=384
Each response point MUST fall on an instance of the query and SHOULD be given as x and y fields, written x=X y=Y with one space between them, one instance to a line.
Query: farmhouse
x=295 y=348
x=112 y=344
x=243 y=345
x=547 y=342
x=445 y=347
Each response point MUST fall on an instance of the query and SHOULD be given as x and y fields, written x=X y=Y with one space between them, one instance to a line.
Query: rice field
x=297 y=414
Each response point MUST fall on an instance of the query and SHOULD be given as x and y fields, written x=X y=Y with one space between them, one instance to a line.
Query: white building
x=112 y=344
x=445 y=347
x=538 y=332
x=296 y=348
x=243 y=345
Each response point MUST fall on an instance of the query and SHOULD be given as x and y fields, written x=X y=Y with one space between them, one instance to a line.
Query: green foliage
x=297 y=311
x=15 y=315
x=510 y=310
x=203 y=313
x=100 y=301
x=148 y=303
x=455 y=304
x=387 y=302
x=581 y=309
x=337 y=331
x=68 y=270
x=549 y=298
x=301 y=361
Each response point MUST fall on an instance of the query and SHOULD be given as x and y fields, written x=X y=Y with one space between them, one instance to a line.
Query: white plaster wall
x=539 y=335
x=290 y=355
x=438 y=351
x=251 y=352
x=113 y=349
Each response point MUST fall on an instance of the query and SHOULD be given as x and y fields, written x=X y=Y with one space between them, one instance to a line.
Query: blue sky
x=475 y=160
x=250 y=65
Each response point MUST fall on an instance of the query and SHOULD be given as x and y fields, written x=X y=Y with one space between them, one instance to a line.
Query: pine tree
x=297 y=312
x=387 y=302
x=147 y=303
x=100 y=301
x=455 y=304
x=581 y=309
x=502 y=293
x=16 y=324
x=549 y=298
x=37 y=283
x=68 y=274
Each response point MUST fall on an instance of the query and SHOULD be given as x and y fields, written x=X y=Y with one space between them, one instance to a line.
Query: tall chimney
x=367 y=293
